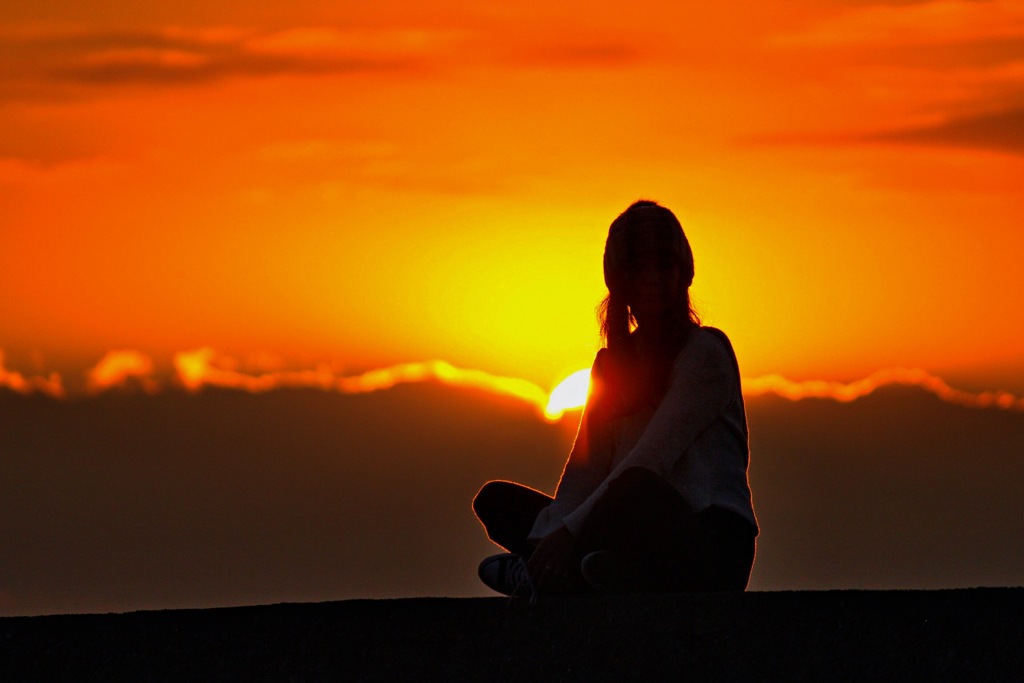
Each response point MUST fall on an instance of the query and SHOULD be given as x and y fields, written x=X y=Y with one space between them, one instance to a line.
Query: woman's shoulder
x=710 y=345
x=703 y=338
x=710 y=337
x=702 y=341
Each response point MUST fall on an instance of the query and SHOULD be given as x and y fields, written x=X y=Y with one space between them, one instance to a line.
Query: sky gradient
x=391 y=182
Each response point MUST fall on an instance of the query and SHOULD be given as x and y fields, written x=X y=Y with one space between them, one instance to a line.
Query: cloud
x=39 y=62
x=50 y=385
x=55 y=169
x=204 y=367
x=951 y=91
x=168 y=67
x=380 y=45
x=921 y=23
x=846 y=392
x=36 y=58
x=120 y=369
x=1001 y=131
x=952 y=70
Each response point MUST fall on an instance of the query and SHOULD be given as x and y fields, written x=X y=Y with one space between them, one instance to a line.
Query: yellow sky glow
x=374 y=186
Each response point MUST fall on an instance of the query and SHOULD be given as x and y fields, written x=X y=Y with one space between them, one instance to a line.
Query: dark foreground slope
x=971 y=634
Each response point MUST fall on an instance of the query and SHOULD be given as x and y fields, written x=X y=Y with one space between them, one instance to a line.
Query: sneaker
x=607 y=572
x=507 y=573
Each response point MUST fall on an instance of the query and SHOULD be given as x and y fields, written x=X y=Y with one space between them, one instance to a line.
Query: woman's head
x=648 y=268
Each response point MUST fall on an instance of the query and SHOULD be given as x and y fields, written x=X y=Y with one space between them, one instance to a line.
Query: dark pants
x=643 y=519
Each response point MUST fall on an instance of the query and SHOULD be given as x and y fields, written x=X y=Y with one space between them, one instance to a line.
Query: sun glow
x=570 y=394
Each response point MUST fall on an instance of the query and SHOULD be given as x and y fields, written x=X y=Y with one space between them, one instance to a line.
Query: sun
x=570 y=393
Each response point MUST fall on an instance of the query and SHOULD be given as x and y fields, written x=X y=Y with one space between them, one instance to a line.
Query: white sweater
x=696 y=440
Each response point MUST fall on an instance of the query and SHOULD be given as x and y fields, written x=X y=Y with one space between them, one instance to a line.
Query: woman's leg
x=645 y=520
x=732 y=545
x=507 y=511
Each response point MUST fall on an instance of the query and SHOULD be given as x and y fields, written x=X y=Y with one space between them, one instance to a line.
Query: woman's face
x=653 y=278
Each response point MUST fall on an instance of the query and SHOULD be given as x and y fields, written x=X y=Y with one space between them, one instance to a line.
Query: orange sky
x=386 y=182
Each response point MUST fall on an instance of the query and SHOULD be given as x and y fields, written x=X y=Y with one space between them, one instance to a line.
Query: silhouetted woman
x=654 y=496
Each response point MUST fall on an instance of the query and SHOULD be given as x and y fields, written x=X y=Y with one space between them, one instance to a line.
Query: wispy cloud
x=54 y=168
x=384 y=45
x=36 y=59
x=37 y=62
x=845 y=392
x=165 y=64
x=1001 y=131
x=50 y=385
x=947 y=73
x=917 y=23
x=204 y=367
x=120 y=368
x=996 y=131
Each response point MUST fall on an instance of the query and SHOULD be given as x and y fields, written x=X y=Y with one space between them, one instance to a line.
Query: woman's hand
x=554 y=563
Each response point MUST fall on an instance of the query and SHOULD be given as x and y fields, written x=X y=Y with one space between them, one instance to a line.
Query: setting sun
x=570 y=393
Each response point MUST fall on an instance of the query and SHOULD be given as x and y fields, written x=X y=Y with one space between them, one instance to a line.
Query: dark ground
x=969 y=634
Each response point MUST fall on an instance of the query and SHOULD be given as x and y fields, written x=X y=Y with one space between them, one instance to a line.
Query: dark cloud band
x=1001 y=131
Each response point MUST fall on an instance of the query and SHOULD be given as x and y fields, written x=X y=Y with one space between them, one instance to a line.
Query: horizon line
x=194 y=370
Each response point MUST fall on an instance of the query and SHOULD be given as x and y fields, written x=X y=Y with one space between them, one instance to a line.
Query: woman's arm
x=703 y=382
x=588 y=465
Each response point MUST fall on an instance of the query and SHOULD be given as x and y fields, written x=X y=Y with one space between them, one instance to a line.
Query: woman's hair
x=627 y=385
x=643 y=216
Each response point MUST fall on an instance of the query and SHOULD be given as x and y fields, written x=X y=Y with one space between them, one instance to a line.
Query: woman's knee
x=485 y=497
x=496 y=494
